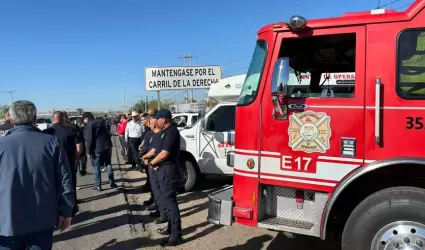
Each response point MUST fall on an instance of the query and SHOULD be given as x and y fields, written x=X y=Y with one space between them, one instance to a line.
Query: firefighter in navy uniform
x=168 y=173
x=152 y=141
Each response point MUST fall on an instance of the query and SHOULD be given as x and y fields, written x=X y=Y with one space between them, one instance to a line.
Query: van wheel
x=189 y=173
x=392 y=218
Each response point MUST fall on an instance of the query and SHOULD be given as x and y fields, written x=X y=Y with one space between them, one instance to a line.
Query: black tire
x=380 y=209
x=189 y=173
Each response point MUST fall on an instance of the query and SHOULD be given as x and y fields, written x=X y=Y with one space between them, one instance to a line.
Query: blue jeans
x=101 y=159
x=42 y=240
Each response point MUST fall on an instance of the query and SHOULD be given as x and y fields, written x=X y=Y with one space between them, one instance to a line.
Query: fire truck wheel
x=392 y=218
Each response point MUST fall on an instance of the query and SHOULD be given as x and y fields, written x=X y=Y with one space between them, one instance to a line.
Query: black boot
x=152 y=207
x=161 y=220
x=145 y=188
x=172 y=241
x=155 y=214
x=163 y=231
x=148 y=202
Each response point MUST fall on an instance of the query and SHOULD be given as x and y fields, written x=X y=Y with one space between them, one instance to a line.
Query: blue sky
x=71 y=54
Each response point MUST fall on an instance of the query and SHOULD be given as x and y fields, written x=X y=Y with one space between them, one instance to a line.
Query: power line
x=252 y=26
x=9 y=92
x=395 y=1
x=404 y=5
x=62 y=87
x=255 y=25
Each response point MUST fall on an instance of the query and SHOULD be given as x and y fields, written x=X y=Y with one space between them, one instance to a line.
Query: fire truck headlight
x=250 y=163
x=297 y=22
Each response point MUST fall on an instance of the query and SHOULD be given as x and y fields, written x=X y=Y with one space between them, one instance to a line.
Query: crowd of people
x=38 y=170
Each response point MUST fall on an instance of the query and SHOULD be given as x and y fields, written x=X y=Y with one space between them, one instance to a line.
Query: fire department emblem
x=309 y=132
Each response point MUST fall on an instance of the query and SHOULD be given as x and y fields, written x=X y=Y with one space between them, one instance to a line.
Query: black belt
x=134 y=137
x=167 y=163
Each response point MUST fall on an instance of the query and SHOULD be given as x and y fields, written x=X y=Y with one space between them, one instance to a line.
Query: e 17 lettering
x=414 y=122
x=302 y=164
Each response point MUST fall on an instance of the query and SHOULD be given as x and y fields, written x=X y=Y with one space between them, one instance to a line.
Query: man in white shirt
x=133 y=136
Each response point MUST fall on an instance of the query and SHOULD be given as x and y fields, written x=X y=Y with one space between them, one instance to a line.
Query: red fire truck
x=343 y=157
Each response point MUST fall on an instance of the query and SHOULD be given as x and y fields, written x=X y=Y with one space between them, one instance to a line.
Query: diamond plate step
x=292 y=226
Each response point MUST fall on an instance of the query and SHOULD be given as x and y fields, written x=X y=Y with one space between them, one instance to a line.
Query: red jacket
x=121 y=127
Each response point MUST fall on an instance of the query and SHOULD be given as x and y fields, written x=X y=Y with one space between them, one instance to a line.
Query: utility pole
x=9 y=92
x=158 y=99
x=184 y=63
x=146 y=104
x=123 y=97
x=190 y=57
x=123 y=94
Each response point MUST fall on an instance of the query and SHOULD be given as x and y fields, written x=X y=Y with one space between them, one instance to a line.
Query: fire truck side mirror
x=281 y=77
x=280 y=88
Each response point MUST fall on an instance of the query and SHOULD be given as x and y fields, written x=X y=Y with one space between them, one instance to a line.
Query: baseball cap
x=87 y=115
x=163 y=113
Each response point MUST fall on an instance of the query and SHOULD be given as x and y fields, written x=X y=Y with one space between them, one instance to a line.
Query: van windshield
x=252 y=80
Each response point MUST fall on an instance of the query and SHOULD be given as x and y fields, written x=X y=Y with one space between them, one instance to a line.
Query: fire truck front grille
x=284 y=213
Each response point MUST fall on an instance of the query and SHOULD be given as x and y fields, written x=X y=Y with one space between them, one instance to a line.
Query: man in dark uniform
x=165 y=162
x=70 y=141
x=99 y=148
x=7 y=125
x=153 y=139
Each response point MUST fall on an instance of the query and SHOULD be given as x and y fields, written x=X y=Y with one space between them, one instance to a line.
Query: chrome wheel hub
x=400 y=235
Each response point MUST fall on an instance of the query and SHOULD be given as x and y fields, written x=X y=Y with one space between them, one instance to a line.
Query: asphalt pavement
x=115 y=219
x=104 y=220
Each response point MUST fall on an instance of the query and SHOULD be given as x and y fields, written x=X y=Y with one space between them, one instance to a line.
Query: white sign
x=188 y=107
x=175 y=78
x=337 y=79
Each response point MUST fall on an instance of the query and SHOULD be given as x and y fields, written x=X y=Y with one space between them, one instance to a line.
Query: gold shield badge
x=309 y=132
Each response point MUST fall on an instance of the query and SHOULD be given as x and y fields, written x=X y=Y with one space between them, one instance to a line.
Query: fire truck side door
x=321 y=137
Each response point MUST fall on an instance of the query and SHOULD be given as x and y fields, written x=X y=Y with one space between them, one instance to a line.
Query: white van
x=185 y=120
x=203 y=147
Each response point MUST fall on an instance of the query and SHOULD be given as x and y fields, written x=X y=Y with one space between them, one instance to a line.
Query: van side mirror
x=203 y=125
x=280 y=88
x=231 y=137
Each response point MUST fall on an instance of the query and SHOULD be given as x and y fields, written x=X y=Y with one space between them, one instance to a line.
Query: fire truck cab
x=344 y=152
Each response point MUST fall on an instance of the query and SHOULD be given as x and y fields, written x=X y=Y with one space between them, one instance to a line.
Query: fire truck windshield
x=252 y=81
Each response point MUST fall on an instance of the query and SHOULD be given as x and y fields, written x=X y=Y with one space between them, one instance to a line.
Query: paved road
x=115 y=219
x=199 y=234
x=104 y=220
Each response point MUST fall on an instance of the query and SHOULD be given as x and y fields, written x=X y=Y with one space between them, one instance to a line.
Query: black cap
x=163 y=113
x=87 y=115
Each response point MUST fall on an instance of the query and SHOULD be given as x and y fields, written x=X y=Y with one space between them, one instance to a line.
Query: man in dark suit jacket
x=70 y=142
x=99 y=148
x=36 y=191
